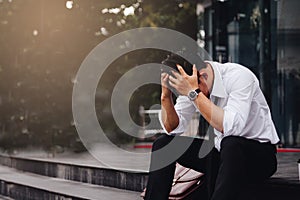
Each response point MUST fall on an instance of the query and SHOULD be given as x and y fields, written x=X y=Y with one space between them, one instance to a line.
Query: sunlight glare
x=114 y=10
x=69 y=4
x=35 y=32
x=129 y=11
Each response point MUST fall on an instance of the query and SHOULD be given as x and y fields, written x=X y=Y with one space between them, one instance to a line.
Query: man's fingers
x=176 y=74
x=181 y=70
x=164 y=80
x=164 y=76
x=194 y=70
x=172 y=79
x=172 y=84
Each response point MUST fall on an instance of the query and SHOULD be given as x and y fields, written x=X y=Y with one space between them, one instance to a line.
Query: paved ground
x=288 y=166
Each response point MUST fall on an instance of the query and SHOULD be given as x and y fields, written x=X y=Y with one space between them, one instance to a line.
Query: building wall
x=263 y=35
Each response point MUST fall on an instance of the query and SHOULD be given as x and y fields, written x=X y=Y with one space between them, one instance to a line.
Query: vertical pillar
x=264 y=68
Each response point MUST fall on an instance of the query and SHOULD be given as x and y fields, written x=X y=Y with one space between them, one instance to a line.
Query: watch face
x=192 y=95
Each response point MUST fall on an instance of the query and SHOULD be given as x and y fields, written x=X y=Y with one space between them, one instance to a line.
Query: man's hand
x=165 y=91
x=168 y=114
x=182 y=82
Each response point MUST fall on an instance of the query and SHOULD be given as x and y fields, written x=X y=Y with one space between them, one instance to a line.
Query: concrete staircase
x=23 y=178
x=43 y=179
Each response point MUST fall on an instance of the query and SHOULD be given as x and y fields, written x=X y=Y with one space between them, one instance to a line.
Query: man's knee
x=161 y=141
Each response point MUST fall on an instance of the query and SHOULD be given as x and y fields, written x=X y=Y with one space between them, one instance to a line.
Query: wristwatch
x=192 y=95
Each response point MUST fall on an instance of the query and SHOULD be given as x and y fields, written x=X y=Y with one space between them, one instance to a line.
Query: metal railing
x=155 y=127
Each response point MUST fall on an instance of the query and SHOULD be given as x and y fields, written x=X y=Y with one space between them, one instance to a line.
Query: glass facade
x=263 y=35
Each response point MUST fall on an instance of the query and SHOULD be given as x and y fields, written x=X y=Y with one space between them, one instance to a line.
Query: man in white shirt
x=245 y=135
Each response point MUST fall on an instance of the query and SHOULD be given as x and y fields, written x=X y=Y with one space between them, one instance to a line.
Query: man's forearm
x=213 y=114
x=168 y=114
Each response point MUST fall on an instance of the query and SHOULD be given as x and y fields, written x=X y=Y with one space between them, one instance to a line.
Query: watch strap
x=198 y=90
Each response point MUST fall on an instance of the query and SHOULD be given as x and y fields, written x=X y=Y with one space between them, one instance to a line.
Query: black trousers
x=241 y=161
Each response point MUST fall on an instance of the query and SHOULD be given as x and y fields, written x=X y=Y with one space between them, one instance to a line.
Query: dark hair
x=174 y=59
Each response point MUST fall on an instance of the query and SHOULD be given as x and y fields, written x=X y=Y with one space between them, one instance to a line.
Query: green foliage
x=42 y=46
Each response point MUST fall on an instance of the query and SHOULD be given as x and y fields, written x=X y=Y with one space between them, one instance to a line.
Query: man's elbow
x=221 y=130
x=170 y=128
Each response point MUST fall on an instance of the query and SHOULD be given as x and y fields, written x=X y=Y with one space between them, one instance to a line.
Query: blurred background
x=43 y=43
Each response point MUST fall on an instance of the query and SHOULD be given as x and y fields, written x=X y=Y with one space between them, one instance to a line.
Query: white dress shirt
x=246 y=113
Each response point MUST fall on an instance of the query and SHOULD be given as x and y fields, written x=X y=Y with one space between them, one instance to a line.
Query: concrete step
x=117 y=178
x=23 y=185
x=5 y=198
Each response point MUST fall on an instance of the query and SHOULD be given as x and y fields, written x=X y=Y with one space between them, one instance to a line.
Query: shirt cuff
x=228 y=122
x=176 y=131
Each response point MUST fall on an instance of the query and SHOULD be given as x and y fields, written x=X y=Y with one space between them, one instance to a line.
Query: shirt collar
x=218 y=89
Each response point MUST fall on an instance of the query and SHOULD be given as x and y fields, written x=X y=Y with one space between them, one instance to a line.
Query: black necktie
x=203 y=126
